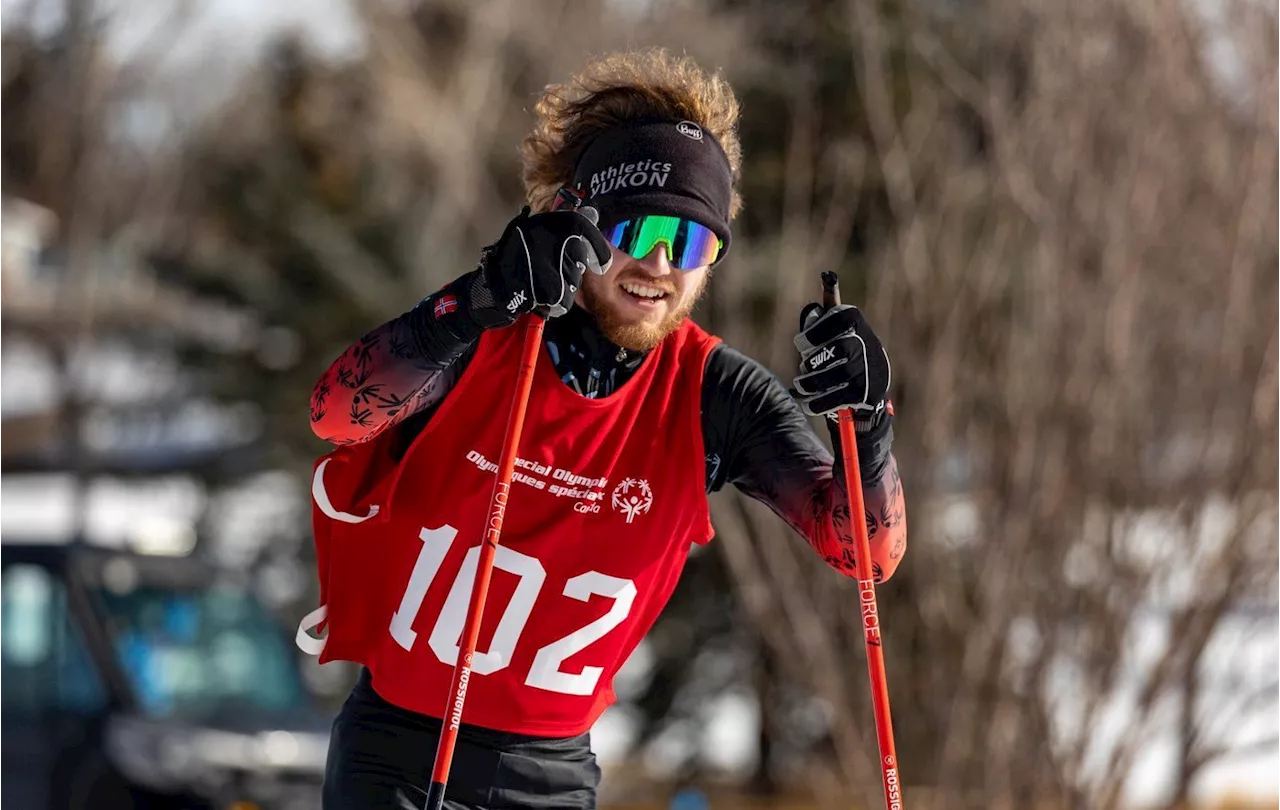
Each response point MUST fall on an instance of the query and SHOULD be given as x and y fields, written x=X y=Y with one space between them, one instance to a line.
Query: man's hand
x=842 y=365
x=537 y=265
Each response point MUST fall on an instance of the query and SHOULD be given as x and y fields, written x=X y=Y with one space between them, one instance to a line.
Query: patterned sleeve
x=760 y=441
x=402 y=367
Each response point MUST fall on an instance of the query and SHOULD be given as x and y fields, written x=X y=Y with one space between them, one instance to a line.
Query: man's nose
x=657 y=263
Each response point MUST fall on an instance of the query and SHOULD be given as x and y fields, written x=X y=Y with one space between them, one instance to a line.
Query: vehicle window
x=199 y=652
x=46 y=664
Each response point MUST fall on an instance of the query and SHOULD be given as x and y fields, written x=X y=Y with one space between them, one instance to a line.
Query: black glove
x=536 y=266
x=842 y=365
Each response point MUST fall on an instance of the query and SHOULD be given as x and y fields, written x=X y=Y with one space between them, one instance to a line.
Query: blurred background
x=1062 y=217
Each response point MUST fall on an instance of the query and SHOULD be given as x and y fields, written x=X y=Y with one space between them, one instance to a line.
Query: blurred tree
x=1062 y=219
x=1025 y=193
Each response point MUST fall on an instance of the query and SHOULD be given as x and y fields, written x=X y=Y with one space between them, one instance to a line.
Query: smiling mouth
x=643 y=292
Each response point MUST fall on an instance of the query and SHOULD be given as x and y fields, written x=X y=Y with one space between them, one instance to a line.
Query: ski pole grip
x=830 y=290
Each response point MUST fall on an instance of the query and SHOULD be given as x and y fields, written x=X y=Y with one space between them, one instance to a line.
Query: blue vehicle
x=135 y=682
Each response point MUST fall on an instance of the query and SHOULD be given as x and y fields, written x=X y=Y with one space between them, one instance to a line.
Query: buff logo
x=455 y=712
x=645 y=174
x=870 y=617
x=689 y=130
x=893 y=788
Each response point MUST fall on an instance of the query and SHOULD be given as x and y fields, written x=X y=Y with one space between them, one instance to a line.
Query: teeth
x=643 y=290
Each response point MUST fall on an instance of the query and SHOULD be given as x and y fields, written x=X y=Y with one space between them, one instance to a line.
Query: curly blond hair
x=620 y=87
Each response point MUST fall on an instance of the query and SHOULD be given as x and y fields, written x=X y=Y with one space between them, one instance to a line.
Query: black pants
x=380 y=756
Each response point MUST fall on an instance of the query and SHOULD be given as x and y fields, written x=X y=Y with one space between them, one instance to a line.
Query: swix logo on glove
x=822 y=357
x=516 y=301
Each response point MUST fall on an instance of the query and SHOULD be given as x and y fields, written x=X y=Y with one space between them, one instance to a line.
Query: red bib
x=606 y=498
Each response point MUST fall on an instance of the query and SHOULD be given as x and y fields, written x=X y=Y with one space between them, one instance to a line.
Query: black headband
x=674 y=168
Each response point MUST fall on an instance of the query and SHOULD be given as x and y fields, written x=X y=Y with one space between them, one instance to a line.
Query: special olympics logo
x=632 y=497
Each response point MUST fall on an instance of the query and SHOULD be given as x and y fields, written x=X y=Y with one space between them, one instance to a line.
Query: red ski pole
x=452 y=719
x=866 y=587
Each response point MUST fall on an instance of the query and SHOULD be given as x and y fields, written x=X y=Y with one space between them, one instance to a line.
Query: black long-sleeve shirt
x=756 y=437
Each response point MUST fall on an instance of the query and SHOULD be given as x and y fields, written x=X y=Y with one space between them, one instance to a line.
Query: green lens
x=689 y=244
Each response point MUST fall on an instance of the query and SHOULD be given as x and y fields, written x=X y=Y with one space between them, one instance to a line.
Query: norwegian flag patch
x=444 y=305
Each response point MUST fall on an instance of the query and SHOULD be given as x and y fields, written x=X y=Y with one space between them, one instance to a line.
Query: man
x=634 y=415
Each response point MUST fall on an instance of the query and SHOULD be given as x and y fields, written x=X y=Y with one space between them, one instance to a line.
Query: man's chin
x=641 y=336
x=623 y=328
x=637 y=334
